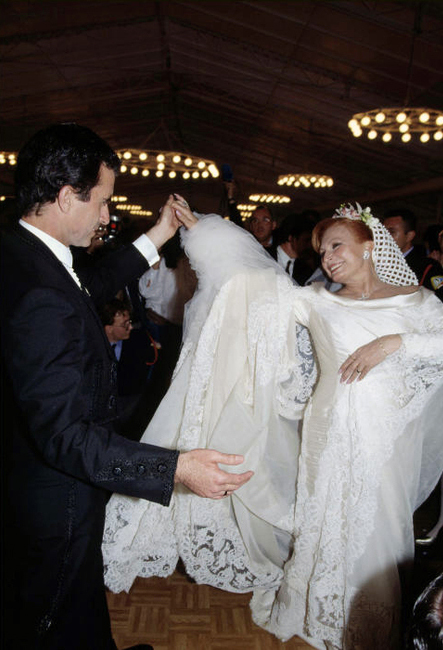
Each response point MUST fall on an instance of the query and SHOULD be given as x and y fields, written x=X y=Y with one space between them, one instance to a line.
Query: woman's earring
x=366 y=255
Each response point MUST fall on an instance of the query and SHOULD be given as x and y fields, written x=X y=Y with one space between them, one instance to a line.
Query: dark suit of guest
x=428 y=271
x=133 y=384
x=301 y=271
x=61 y=454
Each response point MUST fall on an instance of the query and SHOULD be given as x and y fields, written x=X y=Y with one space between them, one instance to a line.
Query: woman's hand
x=358 y=364
x=166 y=225
x=183 y=212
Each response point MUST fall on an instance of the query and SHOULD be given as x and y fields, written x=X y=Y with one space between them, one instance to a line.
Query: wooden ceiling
x=266 y=86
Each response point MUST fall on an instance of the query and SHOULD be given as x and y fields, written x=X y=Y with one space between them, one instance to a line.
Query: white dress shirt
x=284 y=260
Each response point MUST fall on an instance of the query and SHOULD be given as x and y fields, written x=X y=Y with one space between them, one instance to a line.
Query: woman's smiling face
x=342 y=254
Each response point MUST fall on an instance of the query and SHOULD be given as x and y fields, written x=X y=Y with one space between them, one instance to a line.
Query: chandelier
x=246 y=210
x=305 y=180
x=269 y=198
x=170 y=164
x=405 y=123
x=423 y=123
x=137 y=210
x=8 y=158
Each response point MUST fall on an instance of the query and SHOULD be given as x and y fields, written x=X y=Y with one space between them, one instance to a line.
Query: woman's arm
x=366 y=357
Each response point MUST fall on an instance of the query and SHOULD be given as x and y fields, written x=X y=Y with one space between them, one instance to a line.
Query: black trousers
x=54 y=593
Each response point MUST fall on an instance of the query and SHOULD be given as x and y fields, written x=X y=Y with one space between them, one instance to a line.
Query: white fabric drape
x=319 y=530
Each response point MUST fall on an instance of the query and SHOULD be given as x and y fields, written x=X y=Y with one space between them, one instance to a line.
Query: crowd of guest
x=143 y=322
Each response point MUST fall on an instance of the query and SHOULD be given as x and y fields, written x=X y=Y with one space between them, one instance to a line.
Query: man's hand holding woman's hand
x=174 y=213
x=166 y=225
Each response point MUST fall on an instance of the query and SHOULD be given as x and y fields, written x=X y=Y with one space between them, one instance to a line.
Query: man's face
x=301 y=245
x=120 y=330
x=396 y=227
x=85 y=217
x=262 y=225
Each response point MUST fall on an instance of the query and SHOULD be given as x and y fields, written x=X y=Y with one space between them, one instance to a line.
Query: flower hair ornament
x=389 y=262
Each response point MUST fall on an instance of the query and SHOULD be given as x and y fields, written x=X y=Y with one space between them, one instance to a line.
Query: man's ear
x=274 y=225
x=410 y=236
x=108 y=330
x=65 y=198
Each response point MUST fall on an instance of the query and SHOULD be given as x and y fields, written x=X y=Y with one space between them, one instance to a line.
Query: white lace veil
x=389 y=262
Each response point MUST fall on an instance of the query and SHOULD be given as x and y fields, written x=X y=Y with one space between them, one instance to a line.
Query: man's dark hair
x=426 y=629
x=431 y=236
x=311 y=214
x=61 y=154
x=293 y=225
x=267 y=207
x=409 y=218
x=110 y=309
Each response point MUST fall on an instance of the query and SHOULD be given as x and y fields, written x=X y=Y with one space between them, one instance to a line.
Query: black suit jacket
x=301 y=271
x=62 y=454
x=428 y=271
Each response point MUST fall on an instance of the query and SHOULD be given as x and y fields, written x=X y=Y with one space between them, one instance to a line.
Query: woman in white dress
x=319 y=531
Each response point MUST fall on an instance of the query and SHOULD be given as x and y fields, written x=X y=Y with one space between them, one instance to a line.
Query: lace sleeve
x=421 y=353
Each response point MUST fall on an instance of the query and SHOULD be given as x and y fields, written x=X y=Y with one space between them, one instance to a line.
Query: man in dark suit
x=292 y=248
x=402 y=224
x=135 y=353
x=61 y=455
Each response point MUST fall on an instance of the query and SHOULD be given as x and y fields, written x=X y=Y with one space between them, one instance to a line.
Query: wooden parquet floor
x=176 y=614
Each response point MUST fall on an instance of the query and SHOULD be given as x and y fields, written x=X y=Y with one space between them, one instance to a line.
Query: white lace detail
x=137 y=541
x=341 y=575
x=145 y=539
x=339 y=496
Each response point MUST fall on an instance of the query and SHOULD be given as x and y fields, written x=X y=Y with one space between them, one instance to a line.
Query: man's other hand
x=198 y=470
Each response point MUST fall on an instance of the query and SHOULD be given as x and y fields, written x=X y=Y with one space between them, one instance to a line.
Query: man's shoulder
x=428 y=271
x=272 y=250
x=418 y=261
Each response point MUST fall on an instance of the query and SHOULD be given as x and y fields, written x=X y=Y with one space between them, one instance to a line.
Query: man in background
x=402 y=224
x=293 y=249
x=262 y=224
x=134 y=353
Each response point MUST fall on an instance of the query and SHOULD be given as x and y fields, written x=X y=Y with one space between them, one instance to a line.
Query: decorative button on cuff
x=117 y=471
x=162 y=468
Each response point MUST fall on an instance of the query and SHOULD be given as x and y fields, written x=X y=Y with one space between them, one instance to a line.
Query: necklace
x=364 y=295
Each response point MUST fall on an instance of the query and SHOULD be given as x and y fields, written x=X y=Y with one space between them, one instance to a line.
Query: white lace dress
x=319 y=530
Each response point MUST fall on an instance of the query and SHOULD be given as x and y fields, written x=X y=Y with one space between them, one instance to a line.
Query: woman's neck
x=364 y=289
